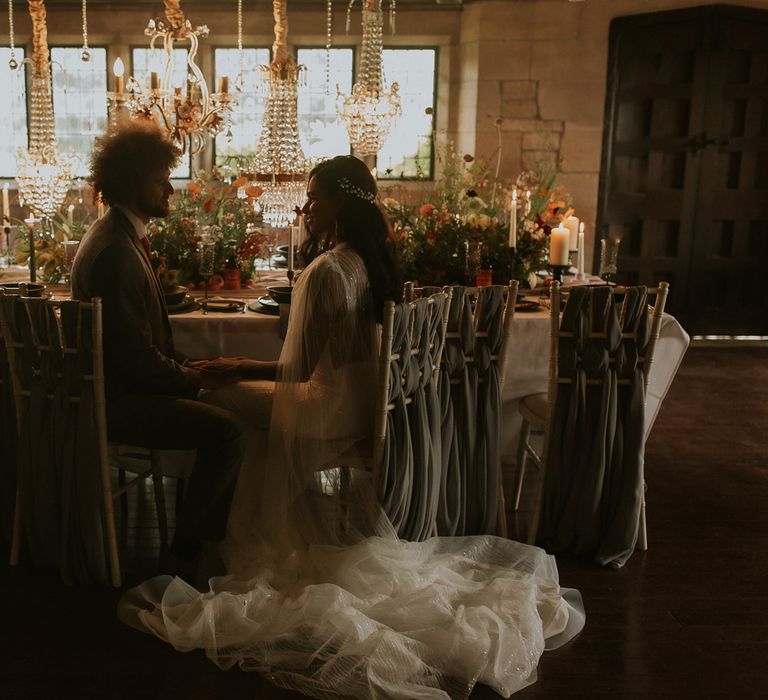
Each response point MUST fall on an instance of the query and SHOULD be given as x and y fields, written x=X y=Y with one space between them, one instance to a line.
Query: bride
x=321 y=595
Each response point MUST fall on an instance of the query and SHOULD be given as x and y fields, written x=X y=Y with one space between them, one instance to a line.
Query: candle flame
x=118 y=68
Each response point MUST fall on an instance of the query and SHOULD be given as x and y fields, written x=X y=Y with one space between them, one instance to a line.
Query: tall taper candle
x=6 y=206
x=513 y=221
x=30 y=222
x=580 y=254
x=291 y=238
x=559 y=241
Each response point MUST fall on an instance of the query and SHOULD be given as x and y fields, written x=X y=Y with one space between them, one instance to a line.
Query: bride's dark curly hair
x=362 y=225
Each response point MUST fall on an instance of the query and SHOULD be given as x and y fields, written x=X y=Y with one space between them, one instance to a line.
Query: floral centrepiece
x=224 y=212
x=463 y=222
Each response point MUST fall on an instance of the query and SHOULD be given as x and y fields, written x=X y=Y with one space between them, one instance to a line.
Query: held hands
x=228 y=370
x=217 y=373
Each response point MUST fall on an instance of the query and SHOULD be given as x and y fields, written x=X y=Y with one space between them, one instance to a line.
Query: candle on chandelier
x=6 y=206
x=223 y=84
x=119 y=70
x=513 y=221
x=99 y=209
x=154 y=81
x=572 y=224
x=559 y=241
x=71 y=213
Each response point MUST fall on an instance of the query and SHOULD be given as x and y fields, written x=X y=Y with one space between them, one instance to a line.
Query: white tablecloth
x=257 y=336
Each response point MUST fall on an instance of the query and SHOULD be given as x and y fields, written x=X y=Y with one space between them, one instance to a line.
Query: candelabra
x=279 y=165
x=189 y=113
x=370 y=109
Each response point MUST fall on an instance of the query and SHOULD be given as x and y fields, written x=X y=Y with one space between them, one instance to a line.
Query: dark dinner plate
x=264 y=305
x=187 y=305
x=226 y=306
x=525 y=305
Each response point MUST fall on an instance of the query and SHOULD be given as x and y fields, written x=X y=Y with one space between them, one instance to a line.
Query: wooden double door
x=684 y=177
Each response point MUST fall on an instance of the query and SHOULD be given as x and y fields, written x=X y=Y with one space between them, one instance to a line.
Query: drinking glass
x=609 y=255
x=207 y=248
x=473 y=251
x=70 y=250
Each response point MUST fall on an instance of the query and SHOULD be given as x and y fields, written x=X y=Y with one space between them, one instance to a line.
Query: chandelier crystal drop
x=370 y=109
x=279 y=165
x=190 y=113
x=42 y=173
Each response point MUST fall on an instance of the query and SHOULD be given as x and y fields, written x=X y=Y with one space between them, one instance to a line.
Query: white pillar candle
x=71 y=213
x=572 y=224
x=6 y=205
x=580 y=254
x=559 y=240
x=513 y=221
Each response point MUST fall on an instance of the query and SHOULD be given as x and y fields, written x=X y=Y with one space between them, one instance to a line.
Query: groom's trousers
x=169 y=422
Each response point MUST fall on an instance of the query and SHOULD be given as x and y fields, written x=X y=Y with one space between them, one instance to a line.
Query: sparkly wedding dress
x=322 y=596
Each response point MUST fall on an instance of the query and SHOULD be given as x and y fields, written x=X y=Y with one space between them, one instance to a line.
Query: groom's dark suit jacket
x=138 y=345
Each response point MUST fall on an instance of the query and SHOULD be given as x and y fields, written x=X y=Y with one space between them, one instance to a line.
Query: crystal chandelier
x=370 y=110
x=42 y=173
x=279 y=165
x=189 y=113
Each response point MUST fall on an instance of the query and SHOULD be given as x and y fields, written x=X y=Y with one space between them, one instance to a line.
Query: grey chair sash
x=594 y=471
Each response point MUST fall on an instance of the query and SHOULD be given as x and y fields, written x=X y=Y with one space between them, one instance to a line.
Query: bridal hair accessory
x=356 y=191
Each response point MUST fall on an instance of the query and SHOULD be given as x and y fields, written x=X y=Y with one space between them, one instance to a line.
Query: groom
x=151 y=394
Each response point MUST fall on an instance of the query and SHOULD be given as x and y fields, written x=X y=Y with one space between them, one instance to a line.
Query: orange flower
x=254 y=191
x=208 y=204
x=240 y=181
x=194 y=187
x=426 y=209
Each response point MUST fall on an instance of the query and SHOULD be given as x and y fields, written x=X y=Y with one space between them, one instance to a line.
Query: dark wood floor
x=687 y=619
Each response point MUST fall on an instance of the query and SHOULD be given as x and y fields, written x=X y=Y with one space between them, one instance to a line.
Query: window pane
x=146 y=61
x=79 y=101
x=323 y=133
x=13 y=111
x=408 y=150
x=248 y=115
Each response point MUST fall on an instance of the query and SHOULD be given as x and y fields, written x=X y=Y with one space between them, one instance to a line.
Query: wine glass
x=70 y=250
x=207 y=249
x=609 y=256
x=270 y=240
x=5 y=245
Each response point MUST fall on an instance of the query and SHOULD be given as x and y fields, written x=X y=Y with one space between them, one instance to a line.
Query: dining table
x=256 y=328
x=259 y=336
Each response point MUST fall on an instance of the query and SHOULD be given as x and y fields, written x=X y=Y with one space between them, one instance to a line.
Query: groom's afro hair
x=126 y=155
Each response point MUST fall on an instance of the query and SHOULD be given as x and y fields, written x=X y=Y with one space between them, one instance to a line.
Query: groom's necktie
x=144 y=240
